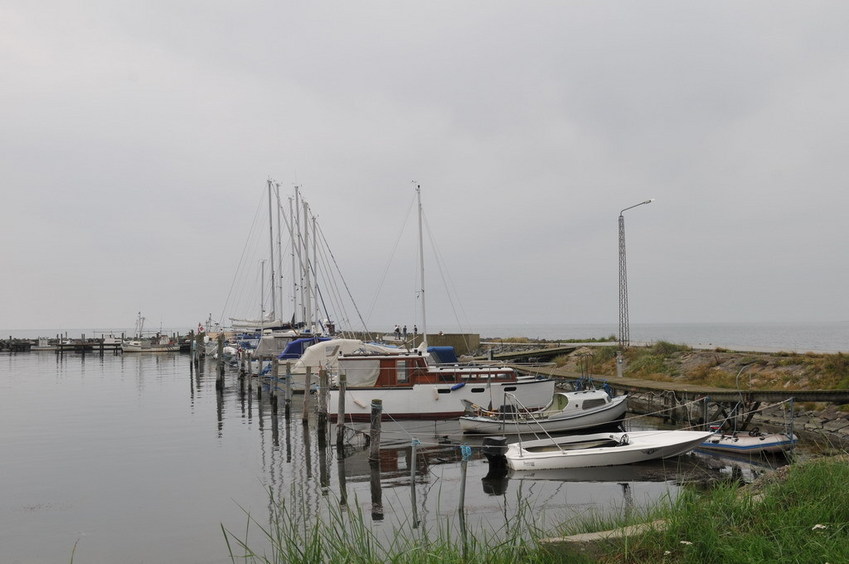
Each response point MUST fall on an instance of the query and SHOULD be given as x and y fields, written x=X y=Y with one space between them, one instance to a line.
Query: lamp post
x=624 y=337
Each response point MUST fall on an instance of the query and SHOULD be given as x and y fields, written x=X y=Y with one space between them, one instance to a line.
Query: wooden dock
x=690 y=392
x=87 y=346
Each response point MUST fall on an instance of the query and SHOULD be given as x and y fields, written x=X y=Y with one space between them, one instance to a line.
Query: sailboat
x=266 y=320
x=411 y=385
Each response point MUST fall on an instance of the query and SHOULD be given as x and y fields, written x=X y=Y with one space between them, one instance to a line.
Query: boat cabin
x=388 y=371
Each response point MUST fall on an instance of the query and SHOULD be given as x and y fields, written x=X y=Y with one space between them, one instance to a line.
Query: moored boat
x=159 y=343
x=601 y=449
x=409 y=387
x=567 y=411
x=750 y=442
x=156 y=343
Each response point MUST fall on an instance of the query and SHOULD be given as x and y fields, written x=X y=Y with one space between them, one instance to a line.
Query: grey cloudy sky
x=137 y=138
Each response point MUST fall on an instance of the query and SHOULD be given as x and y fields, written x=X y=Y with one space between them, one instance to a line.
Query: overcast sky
x=137 y=138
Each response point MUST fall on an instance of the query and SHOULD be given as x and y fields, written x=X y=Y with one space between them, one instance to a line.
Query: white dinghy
x=601 y=449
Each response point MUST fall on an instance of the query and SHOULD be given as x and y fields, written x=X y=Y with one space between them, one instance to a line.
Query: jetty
x=689 y=392
x=64 y=345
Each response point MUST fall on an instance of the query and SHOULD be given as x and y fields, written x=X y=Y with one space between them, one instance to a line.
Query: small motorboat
x=601 y=449
x=752 y=442
x=567 y=411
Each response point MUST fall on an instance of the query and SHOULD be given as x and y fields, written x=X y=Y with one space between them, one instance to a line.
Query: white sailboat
x=411 y=385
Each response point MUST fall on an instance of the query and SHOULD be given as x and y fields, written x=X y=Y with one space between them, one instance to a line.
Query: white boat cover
x=326 y=354
x=360 y=373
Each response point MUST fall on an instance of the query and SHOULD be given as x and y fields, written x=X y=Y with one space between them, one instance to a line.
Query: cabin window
x=509 y=388
x=478 y=390
x=444 y=390
x=401 y=371
x=592 y=403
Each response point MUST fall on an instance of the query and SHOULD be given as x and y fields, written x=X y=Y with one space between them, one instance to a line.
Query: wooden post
x=343 y=486
x=259 y=390
x=376 y=492
x=323 y=383
x=307 y=379
x=374 y=461
x=275 y=424
x=219 y=380
x=275 y=376
x=413 y=483
x=463 y=468
x=287 y=401
x=376 y=412
x=323 y=471
x=340 y=418
x=220 y=349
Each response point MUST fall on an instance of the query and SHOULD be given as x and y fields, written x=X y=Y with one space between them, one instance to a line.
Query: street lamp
x=624 y=337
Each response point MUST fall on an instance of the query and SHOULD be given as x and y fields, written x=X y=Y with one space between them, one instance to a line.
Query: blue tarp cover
x=443 y=354
x=297 y=347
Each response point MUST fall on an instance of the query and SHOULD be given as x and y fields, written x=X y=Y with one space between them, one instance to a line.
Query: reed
x=343 y=534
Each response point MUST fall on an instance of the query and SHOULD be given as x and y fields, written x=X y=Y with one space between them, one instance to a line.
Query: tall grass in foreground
x=343 y=534
x=804 y=518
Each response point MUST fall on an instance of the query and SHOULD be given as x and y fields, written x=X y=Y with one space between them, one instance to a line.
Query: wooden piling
x=413 y=484
x=323 y=383
x=376 y=492
x=462 y=511
x=287 y=401
x=374 y=443
x=259 y=390
x=307 y=378
x=275 y=377
x=340 y=418
x=343 y=486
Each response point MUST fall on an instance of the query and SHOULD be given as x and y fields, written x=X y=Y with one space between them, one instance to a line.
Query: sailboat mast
x=279 y=280
x=262 y=294
x=421 y=269
x=314 y=290
x=298 y=245
x=271 y=249
x=294 y=246
x=306 y=265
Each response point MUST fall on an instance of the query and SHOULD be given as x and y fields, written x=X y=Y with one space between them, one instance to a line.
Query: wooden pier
x=82 y=346
x=64 y=345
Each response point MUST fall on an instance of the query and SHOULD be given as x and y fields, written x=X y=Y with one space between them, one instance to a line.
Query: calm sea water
x=137 y=458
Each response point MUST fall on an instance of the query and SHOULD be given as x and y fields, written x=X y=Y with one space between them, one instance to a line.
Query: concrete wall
x=463 y=343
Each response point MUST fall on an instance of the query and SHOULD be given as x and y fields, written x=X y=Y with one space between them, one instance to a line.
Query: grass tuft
x=343 y=534
x=802 y=518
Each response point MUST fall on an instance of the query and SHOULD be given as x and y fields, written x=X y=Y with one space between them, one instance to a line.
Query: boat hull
x=562 y=421
x=756 y=443
x=579 y=452
x=436 y=401
x=131 y=348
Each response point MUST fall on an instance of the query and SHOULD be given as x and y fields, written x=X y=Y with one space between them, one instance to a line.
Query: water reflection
x=197 y=456
x=412 y=451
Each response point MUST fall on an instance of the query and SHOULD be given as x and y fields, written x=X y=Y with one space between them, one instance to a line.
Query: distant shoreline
x=818 y=337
